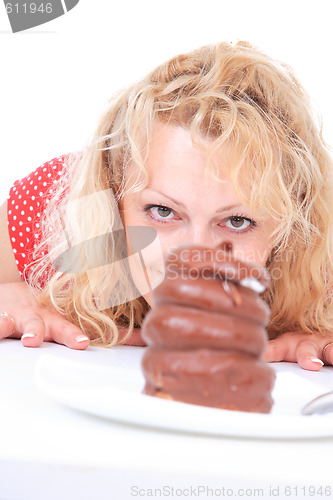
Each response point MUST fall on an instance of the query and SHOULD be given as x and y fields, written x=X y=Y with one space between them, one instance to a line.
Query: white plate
x=116 y=393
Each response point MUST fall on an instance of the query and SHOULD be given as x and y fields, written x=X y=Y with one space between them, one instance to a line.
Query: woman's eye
x=237 y=222
x=160 y=212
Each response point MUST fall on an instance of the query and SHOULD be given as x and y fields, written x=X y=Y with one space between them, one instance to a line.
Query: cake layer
x=228 y=380
x=175 y=327
x=213 y=296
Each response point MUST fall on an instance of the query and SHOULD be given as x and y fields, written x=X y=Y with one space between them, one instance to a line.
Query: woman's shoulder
x=27 y=202
x=48 y=173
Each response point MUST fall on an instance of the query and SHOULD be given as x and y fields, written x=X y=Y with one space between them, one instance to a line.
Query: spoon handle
x=320 y=405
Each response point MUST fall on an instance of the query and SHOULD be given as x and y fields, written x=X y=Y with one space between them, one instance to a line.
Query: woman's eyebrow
x=180 y=204
x=230 y=207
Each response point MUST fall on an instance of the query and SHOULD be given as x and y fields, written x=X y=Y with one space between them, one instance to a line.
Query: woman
x=217 y=144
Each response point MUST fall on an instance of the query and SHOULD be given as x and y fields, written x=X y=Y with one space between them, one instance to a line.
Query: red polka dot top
x=26 y=204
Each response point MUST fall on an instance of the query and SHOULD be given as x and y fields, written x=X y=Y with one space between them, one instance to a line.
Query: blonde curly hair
x=235 y=95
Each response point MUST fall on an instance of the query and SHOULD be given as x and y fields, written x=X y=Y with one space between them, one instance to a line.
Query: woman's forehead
x=177 y=159
x=174 y=147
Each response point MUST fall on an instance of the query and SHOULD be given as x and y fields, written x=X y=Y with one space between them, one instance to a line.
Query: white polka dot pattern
x=26 y=203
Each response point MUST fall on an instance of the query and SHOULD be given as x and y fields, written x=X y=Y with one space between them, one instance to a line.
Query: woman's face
x=185 y=208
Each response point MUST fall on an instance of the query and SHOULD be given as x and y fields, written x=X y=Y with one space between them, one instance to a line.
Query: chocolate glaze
x=174 y=327
x=211 y=296
x=207 y=332
x=222 y=379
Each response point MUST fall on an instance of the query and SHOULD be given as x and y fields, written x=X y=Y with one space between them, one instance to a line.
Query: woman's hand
x=135 y=338
x=302 y=348
x=34 y=323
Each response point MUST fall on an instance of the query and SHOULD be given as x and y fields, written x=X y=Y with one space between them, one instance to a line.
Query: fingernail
x=317 y=360
x=81 y=338
x=28 y=336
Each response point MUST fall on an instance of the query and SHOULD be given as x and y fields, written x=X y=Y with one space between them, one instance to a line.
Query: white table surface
x=51 y=451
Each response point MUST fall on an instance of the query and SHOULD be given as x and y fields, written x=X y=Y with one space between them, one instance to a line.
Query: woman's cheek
x=147 y=266
x=255 y=250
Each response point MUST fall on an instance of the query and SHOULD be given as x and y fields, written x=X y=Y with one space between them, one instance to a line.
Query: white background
x=56 y=78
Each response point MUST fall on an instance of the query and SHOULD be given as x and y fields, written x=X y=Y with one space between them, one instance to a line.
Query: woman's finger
x=277 y=350
x=327 y=353
x=7 y=326
x=64 y=332
x=308 y=354
x=290 y=347
x=33 y=331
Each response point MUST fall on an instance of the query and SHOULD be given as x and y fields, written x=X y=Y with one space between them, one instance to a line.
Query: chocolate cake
x=207 y=330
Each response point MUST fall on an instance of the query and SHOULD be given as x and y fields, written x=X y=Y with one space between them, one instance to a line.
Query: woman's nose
x=201 y=235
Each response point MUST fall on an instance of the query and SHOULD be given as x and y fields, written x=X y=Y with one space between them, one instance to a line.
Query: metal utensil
x=319 y=406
